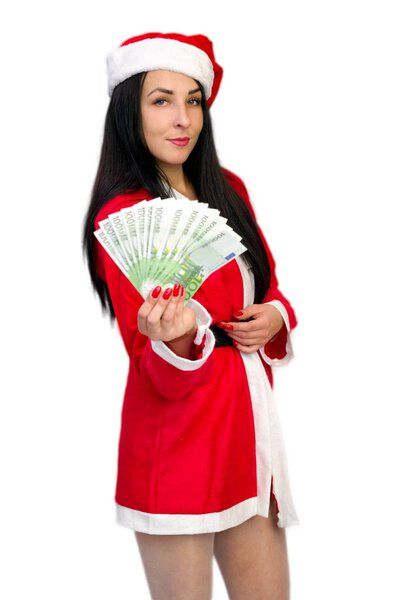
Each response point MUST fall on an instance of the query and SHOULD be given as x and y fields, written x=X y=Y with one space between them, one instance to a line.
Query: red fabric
x=187 y=440
x=198 y=353
x=277 y=347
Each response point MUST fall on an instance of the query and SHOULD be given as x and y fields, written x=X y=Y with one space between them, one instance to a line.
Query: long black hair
x=126 y=164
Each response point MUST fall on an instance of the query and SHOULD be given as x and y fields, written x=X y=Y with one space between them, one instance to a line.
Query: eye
x=195 y=101
x=159 y=100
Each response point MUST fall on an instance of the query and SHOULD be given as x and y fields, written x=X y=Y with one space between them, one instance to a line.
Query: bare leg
x=177 y=567
x=253 y=560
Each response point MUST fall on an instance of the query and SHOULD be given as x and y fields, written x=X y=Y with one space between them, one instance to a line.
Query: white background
x=308 y=116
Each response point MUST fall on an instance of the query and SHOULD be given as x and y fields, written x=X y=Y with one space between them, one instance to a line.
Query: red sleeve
x=280 y=348
x=169 y=374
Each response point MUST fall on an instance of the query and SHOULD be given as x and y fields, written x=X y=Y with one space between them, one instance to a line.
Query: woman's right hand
x=165 y=317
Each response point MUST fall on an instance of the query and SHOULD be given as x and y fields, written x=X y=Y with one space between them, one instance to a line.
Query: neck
x=178 y=180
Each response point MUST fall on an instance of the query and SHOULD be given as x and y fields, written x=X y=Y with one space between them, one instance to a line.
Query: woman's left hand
x=265 y=322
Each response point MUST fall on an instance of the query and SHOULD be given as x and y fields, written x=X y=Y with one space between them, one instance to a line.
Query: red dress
x=201 y=447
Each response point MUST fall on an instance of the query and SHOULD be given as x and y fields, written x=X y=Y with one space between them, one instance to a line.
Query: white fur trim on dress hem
x=176 y=524
x=186 y=524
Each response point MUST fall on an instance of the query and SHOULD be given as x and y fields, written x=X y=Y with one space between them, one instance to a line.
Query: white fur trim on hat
x=159 y=53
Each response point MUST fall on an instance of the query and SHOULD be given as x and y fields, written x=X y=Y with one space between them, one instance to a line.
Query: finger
x=154 y=295
x=242 y=319
x=256 y=333
x=151 y=300
x=181 y=301
x=237 y=326
x=247 y=312
x=246 y=349
x=152 y=313
x=171 y=309
x=146 y=307
x=244 y=335
x=246 y=339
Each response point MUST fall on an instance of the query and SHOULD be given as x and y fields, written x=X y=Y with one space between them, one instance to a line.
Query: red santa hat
x=191 y=55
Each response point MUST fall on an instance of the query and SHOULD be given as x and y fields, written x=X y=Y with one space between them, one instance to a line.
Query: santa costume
x=201 y=446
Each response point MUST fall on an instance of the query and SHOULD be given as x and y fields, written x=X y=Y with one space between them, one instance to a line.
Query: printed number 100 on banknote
x=168 y=241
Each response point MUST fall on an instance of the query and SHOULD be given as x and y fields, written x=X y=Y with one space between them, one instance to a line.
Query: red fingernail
x=182 y=290
x=167 y=293
x=176 y=289
x=235 y=342
x=239 y=313
x=228 y=326
x=156 y=292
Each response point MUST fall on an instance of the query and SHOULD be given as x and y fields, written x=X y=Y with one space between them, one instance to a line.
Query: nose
x=181 y=117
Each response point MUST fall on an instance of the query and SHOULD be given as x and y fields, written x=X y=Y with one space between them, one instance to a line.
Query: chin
x=178 y=160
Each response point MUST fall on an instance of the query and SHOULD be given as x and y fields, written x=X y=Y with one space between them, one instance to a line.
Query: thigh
x=253 y=560
x=177 y=567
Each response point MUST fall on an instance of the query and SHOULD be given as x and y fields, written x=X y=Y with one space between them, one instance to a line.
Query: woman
x=202 y=466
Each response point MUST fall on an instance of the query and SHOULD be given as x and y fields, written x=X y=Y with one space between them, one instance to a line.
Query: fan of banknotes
x=168 y=241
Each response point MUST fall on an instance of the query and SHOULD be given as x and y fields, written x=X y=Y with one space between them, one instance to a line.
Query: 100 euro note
x=174 y=236
x=168 y=241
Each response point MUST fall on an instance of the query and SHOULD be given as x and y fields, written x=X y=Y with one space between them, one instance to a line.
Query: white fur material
x=159 y=53
x=249 y=285
x=277 y=362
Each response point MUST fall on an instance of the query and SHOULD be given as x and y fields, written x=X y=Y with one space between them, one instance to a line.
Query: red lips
x=183 y=141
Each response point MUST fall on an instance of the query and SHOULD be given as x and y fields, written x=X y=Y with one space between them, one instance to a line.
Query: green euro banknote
x=167 y=241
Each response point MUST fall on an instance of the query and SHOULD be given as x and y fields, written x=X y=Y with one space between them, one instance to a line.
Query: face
x=172 y=116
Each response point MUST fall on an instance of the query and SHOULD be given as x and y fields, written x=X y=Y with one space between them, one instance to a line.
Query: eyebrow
x=164 y=91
